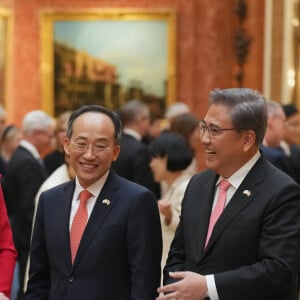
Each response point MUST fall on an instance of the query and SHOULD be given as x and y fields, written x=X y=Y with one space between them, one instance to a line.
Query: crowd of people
x=102 y=204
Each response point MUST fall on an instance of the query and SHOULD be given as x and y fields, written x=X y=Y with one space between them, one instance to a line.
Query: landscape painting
x=108 y=59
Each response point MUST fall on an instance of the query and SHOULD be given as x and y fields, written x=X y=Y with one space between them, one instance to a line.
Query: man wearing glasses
x=238 y=237
x=97 y=237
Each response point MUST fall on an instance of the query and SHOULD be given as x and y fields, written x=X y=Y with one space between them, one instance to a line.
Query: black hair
x=247 y=109
x=175 y=148
x=98 y=109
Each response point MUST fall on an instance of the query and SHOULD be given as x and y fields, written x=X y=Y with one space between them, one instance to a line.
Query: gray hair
x=273 y=108
x=114 y=117
x=131 y=111
x=247 y=109
x=36 y=120
x=176 y=109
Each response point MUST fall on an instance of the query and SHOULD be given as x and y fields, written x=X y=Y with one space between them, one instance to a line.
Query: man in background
x=25 y=175
x=292 y=132
x=273 y=138
x=291 y=139
x=134 y=159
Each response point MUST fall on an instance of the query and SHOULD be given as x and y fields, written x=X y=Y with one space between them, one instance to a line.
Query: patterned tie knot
x=84 y=196
x=224 y=185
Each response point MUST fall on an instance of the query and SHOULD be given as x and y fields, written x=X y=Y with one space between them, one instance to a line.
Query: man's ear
x=66 y=145
x=249 y=139
x=116 y=153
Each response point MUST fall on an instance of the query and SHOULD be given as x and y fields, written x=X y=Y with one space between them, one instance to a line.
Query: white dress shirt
x=94 y=189
x=235 y=180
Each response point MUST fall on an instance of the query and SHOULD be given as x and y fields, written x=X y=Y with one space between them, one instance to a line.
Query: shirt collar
x=94 y=189
x=31 y=148
x=236 y=178
x=132 y=133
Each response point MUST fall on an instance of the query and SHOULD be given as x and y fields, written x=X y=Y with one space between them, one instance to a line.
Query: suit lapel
x=104 y=204
x=245 y=194
x=201 y=210
x=64 y=213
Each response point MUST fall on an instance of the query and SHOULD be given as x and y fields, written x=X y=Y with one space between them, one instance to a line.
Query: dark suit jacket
x=133 y=163
x=24 y=177
x=54 y=160
x=295 y=161
x=254 y=248
x=279 y=159
x=119 y=254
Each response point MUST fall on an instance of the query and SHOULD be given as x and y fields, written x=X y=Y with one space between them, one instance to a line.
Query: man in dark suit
x=24 y=177
x=253 y=250
x=134 y=159
x=119 y=253
x=275 y=131
x=291 y=139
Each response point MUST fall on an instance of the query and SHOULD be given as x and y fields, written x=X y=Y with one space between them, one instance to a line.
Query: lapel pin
x=247 y=193
x=106 y=202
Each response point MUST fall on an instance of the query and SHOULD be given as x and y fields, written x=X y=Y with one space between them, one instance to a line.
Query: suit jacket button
x=71 y=279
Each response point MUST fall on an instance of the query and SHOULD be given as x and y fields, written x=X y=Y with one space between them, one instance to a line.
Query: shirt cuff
x=211 y=287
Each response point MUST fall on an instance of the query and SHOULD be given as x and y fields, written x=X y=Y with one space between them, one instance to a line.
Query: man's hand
x=191 y=286
x=3 y=297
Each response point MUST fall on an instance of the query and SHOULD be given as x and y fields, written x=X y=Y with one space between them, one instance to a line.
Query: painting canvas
x=109 y=59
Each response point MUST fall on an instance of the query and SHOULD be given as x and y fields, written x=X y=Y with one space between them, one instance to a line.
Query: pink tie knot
x=224 y=185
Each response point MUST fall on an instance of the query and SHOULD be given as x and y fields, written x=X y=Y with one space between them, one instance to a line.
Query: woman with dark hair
x=170 y=156
x=187 y=126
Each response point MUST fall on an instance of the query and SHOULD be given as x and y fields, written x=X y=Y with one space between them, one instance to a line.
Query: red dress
x=8 y=253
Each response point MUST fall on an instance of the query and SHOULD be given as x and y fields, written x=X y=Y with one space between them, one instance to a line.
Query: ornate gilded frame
x=5 y=51
x=48 y=19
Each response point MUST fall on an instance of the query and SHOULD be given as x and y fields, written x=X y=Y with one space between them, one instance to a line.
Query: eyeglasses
x=213 y=130
x=82 y=146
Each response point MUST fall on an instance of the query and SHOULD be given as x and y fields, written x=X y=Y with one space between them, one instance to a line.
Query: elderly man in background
x=272 y=143
x=25 y=175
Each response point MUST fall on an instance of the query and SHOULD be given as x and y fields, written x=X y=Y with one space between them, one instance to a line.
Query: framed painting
x=5 y=44
x=107 y=57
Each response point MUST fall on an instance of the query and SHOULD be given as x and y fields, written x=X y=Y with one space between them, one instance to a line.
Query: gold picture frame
x=5 y=50
x=107 y=57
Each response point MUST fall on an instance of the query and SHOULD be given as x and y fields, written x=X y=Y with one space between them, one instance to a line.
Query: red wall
x=205 y=56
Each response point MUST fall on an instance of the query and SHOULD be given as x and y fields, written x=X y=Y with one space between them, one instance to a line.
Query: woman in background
x=10 y=140
x=8 y=253
x=170 y=156
x=187 y=126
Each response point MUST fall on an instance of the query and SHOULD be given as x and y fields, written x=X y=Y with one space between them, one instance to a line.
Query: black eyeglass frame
x=214 y=130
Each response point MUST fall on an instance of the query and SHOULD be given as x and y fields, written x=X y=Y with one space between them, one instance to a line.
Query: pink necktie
x=79 y=222
x=219 y=207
